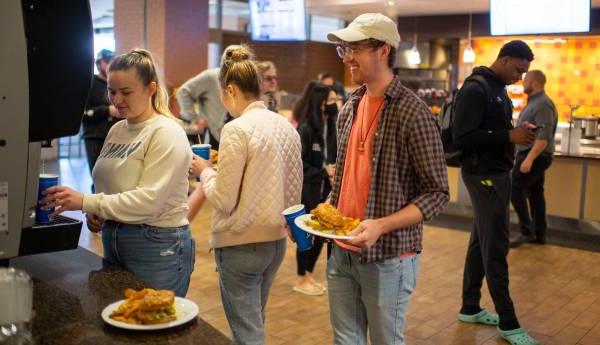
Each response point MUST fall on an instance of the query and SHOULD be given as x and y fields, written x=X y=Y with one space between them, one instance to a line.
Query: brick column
x=175 y=31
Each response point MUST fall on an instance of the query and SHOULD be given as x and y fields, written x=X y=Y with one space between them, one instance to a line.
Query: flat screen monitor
x=278 y=20
x=531 y=17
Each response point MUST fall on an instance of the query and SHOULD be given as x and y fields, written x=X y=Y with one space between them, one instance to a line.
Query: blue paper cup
x=303 y=239
x=202 y=150
x=46 y=181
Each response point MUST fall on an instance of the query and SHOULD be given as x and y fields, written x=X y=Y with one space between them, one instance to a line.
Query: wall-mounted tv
x=278 y=20
x=531 y=17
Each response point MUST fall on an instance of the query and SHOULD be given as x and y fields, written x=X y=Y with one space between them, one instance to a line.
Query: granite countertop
x=72 y=287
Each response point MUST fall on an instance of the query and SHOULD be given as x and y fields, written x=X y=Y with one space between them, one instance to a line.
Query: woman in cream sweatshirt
x=260 y=175
x=141 y=182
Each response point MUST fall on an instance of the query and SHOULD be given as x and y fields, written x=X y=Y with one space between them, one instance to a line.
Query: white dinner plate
x=186 y=311
x=301 y=223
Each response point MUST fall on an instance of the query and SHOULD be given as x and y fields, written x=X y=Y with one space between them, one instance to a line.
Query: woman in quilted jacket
x=259 y=176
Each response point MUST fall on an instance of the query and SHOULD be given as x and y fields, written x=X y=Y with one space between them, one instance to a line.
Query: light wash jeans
x=246 y=273
x=373 y=296
x=162 y=257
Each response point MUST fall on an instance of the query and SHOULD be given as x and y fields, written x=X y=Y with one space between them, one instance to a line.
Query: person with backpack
x=483 y=130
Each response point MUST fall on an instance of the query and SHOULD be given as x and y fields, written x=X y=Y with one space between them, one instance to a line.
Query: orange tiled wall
x=572 y=69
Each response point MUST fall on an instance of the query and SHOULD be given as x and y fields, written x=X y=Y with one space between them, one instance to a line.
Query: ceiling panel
x=349 y=9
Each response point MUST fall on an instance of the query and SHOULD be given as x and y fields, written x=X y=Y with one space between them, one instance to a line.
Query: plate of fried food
x=149 y=309
x=327 y=221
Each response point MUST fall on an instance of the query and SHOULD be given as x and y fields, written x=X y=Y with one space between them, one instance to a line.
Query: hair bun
x=238 y=54
x=141 y=52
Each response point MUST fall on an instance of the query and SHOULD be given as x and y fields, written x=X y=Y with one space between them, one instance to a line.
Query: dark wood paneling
x=322 y=57
x=296 y=62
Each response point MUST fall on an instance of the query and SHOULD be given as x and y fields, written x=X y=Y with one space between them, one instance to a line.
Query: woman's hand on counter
x=62 y=199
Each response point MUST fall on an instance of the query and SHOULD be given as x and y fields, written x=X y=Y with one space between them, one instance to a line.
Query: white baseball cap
x=368 y=25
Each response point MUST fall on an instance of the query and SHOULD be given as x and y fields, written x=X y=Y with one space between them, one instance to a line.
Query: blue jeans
x=246 y=273
x=371 y=296
x=162 y=257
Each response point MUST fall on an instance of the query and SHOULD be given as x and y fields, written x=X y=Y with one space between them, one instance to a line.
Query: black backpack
x=452 y=153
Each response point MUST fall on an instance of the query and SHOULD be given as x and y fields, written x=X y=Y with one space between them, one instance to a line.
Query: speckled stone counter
x=72 y=287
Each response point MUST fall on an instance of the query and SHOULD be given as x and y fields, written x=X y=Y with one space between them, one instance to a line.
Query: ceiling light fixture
x=391 y=3
x=414 y=57
x=469 y=53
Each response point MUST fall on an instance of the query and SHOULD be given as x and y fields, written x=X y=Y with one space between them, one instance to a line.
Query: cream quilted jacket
x=259 y=176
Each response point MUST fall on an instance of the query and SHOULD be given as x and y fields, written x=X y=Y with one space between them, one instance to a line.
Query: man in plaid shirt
x=390 y=173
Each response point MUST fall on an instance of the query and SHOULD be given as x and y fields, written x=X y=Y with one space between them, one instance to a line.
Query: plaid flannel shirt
x=408 y=167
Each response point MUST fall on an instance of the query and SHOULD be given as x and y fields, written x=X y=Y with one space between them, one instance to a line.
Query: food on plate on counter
x=328 y=219
x=146 y=306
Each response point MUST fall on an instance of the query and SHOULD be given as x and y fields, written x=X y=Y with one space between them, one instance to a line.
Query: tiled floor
x=556 y=292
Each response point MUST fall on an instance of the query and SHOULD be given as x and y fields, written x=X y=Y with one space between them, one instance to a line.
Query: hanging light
x=414 y=57
x=469 y=53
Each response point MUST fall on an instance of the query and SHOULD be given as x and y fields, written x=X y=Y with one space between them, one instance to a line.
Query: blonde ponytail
x=160 y=102
x=142 y=61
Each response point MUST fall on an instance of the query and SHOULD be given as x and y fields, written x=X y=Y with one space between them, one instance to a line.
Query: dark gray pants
x=530 y=188
x=488 y=246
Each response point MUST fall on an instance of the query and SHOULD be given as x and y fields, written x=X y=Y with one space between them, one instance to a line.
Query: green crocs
x=518 y=336
x=484 y=316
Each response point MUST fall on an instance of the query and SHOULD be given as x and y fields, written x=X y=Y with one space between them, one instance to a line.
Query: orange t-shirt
x=356 y=181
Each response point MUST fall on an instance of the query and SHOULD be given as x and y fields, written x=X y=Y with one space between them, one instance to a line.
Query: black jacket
x=481 y=124
x=315 y=175
x=96 y=120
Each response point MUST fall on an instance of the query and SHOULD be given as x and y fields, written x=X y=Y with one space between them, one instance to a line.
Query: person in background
x=269 y=86
x=99 y=114
x=391 y=174
x=532 y=161
x=483 y=129
x=300 y=107
x=141 y=181
x=203 y=89
x=319 y=151
x=325 y=78
x=259 y=176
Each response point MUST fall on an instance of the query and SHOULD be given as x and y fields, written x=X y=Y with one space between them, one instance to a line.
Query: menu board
x=278 y=20
x=530 y=17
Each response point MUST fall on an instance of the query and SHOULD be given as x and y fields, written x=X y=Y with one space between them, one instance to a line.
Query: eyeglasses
x=343 y=49
x=270 y=78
